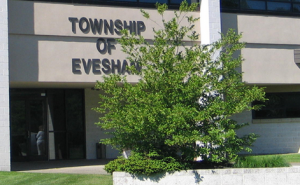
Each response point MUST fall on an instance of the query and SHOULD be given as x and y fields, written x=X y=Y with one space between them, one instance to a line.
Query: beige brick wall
x=276 y=135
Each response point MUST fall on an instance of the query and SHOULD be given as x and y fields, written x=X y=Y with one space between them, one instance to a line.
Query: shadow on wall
x=23 y=48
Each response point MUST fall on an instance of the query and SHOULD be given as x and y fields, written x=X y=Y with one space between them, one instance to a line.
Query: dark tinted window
x=253 y=5
x=173 y=4
x=279 y=6
x=283 y=7
x=279 y=105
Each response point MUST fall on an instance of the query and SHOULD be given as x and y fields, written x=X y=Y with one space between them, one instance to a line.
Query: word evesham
x=98 y=67
x=97 y=26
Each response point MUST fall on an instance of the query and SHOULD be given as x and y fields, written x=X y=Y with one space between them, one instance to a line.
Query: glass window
x=174 y=4
x=296 y=7
x=230 y=4
x=281 y=0
x=122 y=0
x=18 y=129
x=75 y=123
x=253 y=5
x=279 y=105
x=153 y=1
x=56 y=110
x=276 y=6
x=60 y=149
x=74 y=110
x=283 y=7
x=178 y=1
x=76 y=145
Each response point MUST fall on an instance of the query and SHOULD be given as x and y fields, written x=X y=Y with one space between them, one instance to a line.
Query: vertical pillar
x=4 y=90
x=210 y=21
x=210 y=28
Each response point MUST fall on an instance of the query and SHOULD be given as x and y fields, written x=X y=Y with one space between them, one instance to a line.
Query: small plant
x=260 y=162
x=146 y=165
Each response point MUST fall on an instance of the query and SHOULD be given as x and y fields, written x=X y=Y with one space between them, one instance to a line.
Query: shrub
x=138 y=164
x=260 y=162
x=187 y=93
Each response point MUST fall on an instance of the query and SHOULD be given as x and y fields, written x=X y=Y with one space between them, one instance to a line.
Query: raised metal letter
x=96 y=66
x=73 y=20
x=87 y=65
x=116 y=66
x=140 y=27
x=76 y=66
x=81 y=23
x=96 y=26
x=106 y=66
x=99 y=41
x=110 y=45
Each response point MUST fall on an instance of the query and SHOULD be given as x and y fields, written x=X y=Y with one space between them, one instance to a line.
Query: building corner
x=5 y=164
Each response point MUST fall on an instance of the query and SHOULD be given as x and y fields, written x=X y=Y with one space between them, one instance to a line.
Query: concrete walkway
x=62 y=166
x=295 y=164
x=67 y=166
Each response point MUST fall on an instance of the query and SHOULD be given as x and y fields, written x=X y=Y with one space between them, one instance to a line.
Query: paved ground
x=295 y=164
x=66 y=166
x=63 y=166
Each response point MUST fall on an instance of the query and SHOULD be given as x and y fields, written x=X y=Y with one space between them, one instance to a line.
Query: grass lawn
x=269 y=161
x=22 y=178
x=291 y=158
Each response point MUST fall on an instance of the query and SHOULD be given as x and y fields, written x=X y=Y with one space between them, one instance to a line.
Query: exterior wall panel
x=263 y=28
x=38 y=18
x=49 y=41
x=275 y=135
x=270 y=66
x=270 y=44
x=94 y=133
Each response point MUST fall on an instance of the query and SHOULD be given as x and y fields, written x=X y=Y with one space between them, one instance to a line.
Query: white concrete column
x=210 y=21
x=4 y=90
x=210 y=28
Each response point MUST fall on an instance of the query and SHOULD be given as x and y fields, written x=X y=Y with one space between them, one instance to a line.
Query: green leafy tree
x=186 y=93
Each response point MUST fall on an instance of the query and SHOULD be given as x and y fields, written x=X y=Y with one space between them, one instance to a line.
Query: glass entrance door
x=47 y=124
x=28 y=129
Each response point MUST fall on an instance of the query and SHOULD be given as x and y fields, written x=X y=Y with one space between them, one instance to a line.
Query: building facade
x=52 y=53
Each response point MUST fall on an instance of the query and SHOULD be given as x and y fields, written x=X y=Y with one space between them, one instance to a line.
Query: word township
x=99 y=26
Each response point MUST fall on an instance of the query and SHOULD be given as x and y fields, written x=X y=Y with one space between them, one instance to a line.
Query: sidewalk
x=67 y=166
x=63 y=166
x=295 y=164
